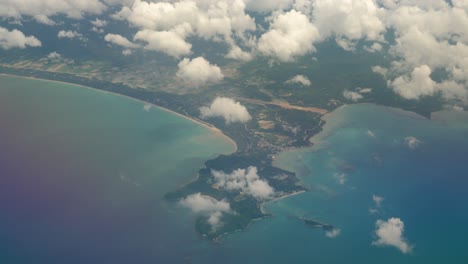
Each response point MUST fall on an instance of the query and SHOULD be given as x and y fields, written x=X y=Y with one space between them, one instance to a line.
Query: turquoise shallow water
x=426 y=187
x=82 y=175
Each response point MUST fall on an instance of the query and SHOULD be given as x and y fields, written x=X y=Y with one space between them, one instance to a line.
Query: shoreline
x=212 y=128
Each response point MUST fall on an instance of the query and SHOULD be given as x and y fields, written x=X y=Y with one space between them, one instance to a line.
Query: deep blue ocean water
x=82 y=175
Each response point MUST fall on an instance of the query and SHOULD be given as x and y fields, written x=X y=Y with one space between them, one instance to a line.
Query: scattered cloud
x=417 y=85
x=352 y=96
x=147 y=107
x=300 y=79
x=412 y=142
x=390 y=233
x=348 y=21
x=99 y=23
x=207 y=206
x=16 y=39
x=245 y=180
x=120 y=41
x=377 y=200
x=54 y=56
x=226 y=108
x=42 y=10
x=199 y=71
x=166 y=26
x=333 y=233
x=290 y=35
x=70 y=34
x=370 y=133
x=364 y=90
x=341 y=178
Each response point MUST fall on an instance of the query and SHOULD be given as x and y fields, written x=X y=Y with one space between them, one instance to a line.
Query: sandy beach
x=214 y=129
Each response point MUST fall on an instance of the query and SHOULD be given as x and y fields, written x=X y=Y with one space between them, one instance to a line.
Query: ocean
x=83 y=173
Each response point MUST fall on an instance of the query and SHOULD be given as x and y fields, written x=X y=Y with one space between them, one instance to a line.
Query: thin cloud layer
x=16 y=39
x=226 y=108
x=390 y=233
x=244 y=180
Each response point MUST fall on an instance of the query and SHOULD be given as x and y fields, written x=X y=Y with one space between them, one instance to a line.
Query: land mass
x=284 y=116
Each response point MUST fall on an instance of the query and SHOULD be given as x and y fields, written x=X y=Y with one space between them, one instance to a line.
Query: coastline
x=212 y=128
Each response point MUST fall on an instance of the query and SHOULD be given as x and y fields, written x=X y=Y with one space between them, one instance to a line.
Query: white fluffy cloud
x=419 y=84
x=173 y=22
x=268 y=5
x=290 y=35
x=412 y=142
x=390 y=233
x=54 y=56
x=171 y=43
x=348 y=20
x=120 y=41
x=16 y=39
x=300 y=79
x=226 y=108
x=430 y=36
x=70 y=34
x=353 y=96
x=42 y=10
x=99 y=23
x=244 y=180
x=207 y=206
x=198 y=71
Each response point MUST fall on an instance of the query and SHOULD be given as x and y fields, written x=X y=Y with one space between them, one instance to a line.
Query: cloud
x=226 y=108
x=419 y=84
x=147 y=107
x=348 y=20
x=171 y=43
x=300 y=79
x=166 y=26
x=290 y=35
x=42 y=10
x=333 y=233
x=244 y=180
x=54 y=56
x=120 y=41
x=16 y=39
x=99 y=23
x=237 y=53
x=207 y=206
x=353 y=96
x=198 y=71
x=390 y=233
x=341 y=178
x=268 y=5
x=70 y=34
x=429 y=36
x=364 y=90
x=412 y=142
x=377 y=200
